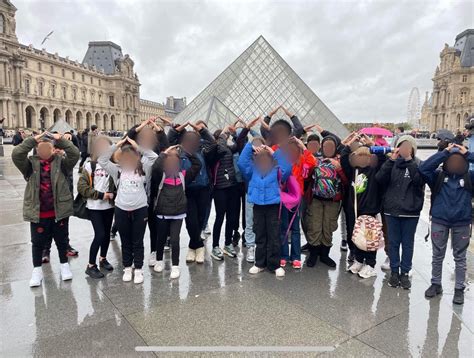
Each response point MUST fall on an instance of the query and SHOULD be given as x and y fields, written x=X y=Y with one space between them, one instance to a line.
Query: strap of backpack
x=181 y=177
x=93 y=167
x=160 y=187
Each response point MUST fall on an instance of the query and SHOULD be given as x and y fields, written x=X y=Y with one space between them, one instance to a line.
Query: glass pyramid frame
x=255 y=83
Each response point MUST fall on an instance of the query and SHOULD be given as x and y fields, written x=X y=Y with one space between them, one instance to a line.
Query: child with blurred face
x=313 y=144
x=260 y=166
x=451 y=213
x=170 y=203
x=97 y=187
x=147 y=138
x=131 y=174
x=48 y=198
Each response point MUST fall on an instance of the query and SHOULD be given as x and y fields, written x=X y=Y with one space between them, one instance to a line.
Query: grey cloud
x=361 y=58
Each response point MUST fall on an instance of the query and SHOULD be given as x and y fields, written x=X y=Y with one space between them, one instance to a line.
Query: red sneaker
x=282 y=263
x=297 y=264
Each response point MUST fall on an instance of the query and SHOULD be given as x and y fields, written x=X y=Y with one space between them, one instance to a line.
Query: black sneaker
x=394 y=280
x=433 y=290
x=344 y=245
x=45 y=257
x=105 y=265
x=405 y=281
x=458 y=298
x=94 y=272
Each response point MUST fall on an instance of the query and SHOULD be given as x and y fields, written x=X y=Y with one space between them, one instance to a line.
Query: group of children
x=280 y=185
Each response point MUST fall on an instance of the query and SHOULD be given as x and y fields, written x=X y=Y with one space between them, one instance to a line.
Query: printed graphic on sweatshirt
x=361 y=183
x=131 y=183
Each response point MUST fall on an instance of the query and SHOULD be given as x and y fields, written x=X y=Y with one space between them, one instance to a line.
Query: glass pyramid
x=255 y=83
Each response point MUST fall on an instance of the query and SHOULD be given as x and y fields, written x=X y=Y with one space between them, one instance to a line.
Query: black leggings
x=173 y=226
x=198 y=201
x=132 y=226
x=43 y=233
x=226 y=202
x=101 y=222
x=152 y=228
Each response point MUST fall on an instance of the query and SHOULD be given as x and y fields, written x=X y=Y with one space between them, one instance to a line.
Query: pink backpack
x=290 y=197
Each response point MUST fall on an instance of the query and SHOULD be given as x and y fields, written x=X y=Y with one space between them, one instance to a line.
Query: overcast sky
x=360 y=58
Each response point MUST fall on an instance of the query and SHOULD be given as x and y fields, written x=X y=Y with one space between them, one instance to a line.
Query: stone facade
x=37 y=87
x=452 y=100
x=150 y=109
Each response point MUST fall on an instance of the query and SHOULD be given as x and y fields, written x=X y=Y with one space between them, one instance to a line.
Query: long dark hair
x=127 y=148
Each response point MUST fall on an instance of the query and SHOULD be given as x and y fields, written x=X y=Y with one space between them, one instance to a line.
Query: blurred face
x=329 y=149
x=190 y=142
x=263 y=162
x=101 y=145
x=45 y=150
x=294 y=152
x=171 y=164
x=128 y=160
x=279 y=134
x=456 y=164
x=313 y=146
x=405 y=150
x=147 y=138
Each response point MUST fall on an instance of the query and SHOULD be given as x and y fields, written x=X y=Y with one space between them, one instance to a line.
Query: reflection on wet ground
x=218 y=303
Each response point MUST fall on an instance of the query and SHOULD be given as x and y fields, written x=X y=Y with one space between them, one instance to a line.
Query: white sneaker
x=159 y=266
x=254 y=270
x=356 y=267
x=138 y=276
x=191 y=256
x=207 y=230
x=386 y=265
x=200 y=255
x=204 y=236
x=127 y=274
x=367 y=271
x=279 y=272
x=66 y=273
x=174 y=272
x=36 y=277
x=152 y=259
x=250 y=254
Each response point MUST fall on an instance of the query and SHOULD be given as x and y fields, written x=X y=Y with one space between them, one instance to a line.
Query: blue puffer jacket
x=452 y=205
x=263 y=189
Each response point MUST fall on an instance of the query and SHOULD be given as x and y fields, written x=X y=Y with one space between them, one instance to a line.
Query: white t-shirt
x=101 y=183
x=131 y=193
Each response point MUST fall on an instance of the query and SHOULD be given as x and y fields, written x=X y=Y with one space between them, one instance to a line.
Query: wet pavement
x=218 y=303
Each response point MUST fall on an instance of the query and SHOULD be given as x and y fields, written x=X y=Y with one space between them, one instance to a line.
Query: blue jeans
x=249 y=233
x=294 y=233
x=401 y=231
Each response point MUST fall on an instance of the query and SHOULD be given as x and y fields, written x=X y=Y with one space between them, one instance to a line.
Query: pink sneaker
x=282 y=263
x=297 y=264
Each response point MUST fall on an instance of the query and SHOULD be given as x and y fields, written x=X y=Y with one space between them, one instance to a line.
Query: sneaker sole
x=190 y=260
x=36 y=285
x=436 y=294
x=230 y=255
x=217 y=258
x=390 y=285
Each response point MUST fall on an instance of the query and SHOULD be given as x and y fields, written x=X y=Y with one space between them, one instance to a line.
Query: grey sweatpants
x=460 y=241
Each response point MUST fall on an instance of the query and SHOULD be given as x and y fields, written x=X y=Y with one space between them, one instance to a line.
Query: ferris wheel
x=414 y=108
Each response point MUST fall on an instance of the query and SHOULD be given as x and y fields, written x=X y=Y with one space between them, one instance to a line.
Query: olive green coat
x=30 y=167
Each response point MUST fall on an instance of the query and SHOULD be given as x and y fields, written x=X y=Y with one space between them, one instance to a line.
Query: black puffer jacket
x=404 y=187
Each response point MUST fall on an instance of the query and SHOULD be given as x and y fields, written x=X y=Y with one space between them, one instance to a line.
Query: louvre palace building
x=37 y=88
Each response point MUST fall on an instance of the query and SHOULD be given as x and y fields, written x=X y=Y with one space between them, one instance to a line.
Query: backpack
x=326 y=181
x=367 y=234
x=79 y=204
x=290 y=197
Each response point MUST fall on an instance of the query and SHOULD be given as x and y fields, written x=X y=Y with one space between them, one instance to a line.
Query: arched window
x=2 y=24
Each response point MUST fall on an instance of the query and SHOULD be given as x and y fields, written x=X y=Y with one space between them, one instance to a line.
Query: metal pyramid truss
x=255 y=83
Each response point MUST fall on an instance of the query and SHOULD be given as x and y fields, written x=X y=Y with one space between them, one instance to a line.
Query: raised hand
x=182 y=126
x=57 y=136
x=252 y=123
x=308 y=128
x=166 y=121
x=132 y=143
x=39 y=136
x=287 y=112
x=172 y=149
x=264 y=124
x=122 y=141
x=462 y=149
x=298 y=142
x=395 y=154
x=272 y=113
x=335 y=162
